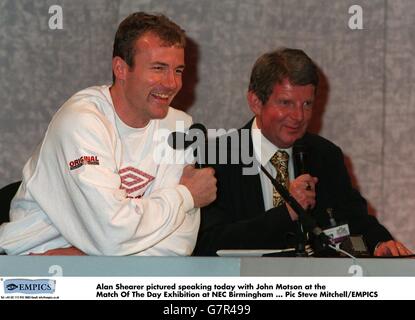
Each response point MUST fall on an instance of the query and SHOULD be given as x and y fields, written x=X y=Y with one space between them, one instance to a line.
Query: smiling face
x=285 y=116
x=148 y=87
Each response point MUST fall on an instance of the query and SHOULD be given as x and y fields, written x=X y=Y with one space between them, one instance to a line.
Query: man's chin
x=161 y=112
x=289 y=142
x=295 y=136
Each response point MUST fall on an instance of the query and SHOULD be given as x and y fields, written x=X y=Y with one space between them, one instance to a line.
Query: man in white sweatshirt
x=97 y=184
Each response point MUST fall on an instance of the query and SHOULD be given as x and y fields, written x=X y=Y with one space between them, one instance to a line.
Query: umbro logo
x=134 y=181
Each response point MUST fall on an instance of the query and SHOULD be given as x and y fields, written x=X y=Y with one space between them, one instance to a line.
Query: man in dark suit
x=248 y=212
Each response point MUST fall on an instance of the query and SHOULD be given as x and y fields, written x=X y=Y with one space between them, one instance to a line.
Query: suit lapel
x=251 y=184
x=252 y=193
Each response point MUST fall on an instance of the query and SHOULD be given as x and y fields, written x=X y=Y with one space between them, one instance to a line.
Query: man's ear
x=120 y=68
x=254 y=102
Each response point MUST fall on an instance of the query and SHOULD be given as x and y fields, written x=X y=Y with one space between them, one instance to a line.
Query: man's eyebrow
x=166 y=64
x=160 y=63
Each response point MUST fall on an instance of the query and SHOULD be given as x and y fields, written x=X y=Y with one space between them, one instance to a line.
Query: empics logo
x=29 y=286
x=11 y=286
x=91 y=160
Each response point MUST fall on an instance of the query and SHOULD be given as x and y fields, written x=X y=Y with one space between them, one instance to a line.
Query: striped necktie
x=280 y=161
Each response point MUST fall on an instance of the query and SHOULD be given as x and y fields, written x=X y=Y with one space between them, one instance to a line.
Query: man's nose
x=171 y=80
x=298 y=112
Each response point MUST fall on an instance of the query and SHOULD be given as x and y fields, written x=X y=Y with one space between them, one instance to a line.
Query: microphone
x=308 y=222
x=300 y=154
x=195 y=137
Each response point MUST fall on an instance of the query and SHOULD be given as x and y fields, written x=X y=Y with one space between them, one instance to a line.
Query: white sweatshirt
x=94 y=183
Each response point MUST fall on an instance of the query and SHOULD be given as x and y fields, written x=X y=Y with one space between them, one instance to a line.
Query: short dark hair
x=273 y=67
x=139 y=23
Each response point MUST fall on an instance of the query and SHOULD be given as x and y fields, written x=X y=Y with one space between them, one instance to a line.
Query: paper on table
x=250 y=252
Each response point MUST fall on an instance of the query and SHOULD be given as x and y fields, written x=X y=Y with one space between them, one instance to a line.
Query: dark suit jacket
x=238 y=220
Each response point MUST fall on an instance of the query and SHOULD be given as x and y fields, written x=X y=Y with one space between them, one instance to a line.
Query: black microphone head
x=300 y=154
x=197 y=133
x=181 y=140
x=177 y=140
x=300 y=145
x=198 y=126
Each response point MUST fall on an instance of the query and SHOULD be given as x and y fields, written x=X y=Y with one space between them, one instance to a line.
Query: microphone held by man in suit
x=307 y=221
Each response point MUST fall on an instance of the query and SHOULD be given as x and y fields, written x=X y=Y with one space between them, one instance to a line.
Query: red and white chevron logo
x=134 y=181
